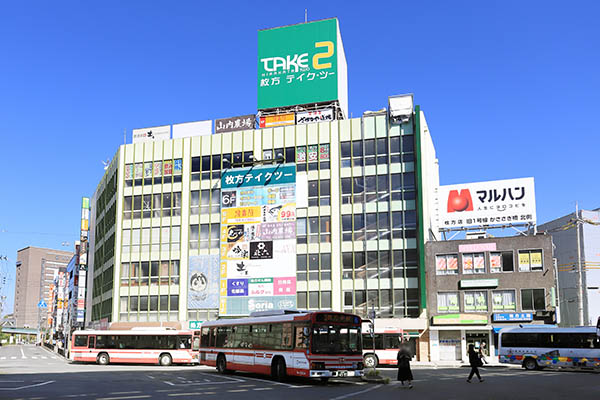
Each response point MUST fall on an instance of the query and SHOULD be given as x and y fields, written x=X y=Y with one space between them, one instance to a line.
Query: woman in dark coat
x=475 y=361
x=404 y=372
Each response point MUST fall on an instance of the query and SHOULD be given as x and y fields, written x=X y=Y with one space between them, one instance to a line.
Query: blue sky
x=510 y=89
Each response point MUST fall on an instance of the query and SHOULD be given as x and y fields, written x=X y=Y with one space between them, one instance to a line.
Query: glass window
x=473 y=263
x=476 y=301
x=530 y=260
x=313 y=299
x=447 y=302
x=301 y=296
x=446 y=264
x=533 y=299
x=357 y=150
x=408 y=143
x=326 y=300
x=345 y=150
x=503 y=300
x=501 y=261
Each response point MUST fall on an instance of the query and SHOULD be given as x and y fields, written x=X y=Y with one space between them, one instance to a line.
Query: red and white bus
x=148 y=346
x=285 y=342
x=381 y=347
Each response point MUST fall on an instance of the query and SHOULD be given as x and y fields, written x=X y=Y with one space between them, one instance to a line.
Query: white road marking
x=22 y=352
x=169 y=383
x=34 y=357
x=145 y=396
x=2 y=358
x=356 y=393
x=133 y=392
x=187 y=394
x=28 y=386
x=11 y=381
x=262 y=389
x=150 y=376
x=13 y=358
x=237 y=390
x=275 y=383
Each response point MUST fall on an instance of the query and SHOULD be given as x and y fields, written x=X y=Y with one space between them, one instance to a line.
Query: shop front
x=451 y=334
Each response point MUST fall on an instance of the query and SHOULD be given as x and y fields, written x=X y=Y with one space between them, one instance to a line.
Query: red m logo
x=460 y=201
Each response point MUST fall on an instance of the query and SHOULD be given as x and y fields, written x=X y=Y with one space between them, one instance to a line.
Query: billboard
x=188 y=129
x=235 y=123
x=301 y=64
x=258 y=239
x=509 y=201
x=203 y=287
x=309 y=117
x=271 y=121
x=152 y=134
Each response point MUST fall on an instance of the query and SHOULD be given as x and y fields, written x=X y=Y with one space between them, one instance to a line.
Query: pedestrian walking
x=404 y=372
x=483 y=353
x=475 y=361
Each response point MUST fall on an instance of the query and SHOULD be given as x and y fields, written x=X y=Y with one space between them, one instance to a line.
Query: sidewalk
x=456 y=364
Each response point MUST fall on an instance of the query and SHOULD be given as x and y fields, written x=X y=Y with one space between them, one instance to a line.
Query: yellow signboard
x=241 y=215
x=271 y=121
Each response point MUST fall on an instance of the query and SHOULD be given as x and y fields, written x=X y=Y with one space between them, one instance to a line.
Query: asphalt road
x=34 y=373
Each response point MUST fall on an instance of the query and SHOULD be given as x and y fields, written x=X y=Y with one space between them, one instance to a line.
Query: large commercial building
x=359 y=238
x=577 y=240
x=36 y=271
x=476 y=287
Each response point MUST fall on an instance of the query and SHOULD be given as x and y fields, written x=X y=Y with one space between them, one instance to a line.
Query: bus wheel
x=221 y=364
x=165 y=360
x=279 y=370
x=103 y=359
x=530 y=364
x=370 y=360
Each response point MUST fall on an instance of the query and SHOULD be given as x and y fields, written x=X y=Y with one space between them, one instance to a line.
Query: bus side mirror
x=196 y=343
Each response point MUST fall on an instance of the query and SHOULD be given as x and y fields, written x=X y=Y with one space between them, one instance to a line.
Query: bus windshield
x=332 y=339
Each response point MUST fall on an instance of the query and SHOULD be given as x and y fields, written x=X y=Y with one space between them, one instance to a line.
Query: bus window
x=81 y=340
x=391 y=341
x=205 y=338
x=196 y=343
x=286 y=336
x=92 y=342
x=301 y=336
x=222 y=336
x=184 y=342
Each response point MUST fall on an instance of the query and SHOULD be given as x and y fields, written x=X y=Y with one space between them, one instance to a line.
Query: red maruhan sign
x=460 y=201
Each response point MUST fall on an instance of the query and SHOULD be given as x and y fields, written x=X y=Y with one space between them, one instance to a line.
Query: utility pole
x=579 y=268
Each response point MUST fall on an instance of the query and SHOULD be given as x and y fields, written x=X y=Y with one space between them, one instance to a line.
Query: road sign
x=195 y=324
x=42 y=304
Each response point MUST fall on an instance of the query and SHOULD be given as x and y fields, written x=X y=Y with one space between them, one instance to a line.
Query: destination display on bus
x=337 y=318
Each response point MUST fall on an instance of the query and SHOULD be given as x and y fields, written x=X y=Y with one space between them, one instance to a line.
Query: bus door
x=301 y=346
x=91 y=343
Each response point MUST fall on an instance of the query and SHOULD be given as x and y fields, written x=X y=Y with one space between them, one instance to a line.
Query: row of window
x=205 y=236
x=146 y=273
x=494 y=262
x=404 y=303
x=152 y=205
x=152 y=239
x=370 y=188
x=143 y=303
x=502 y=300
x=381 y=225
x=380 y=264
x=572 y=340
x=313 y=266
x=204 y=202
x=314 y=300
x=313 y=229
x=258 y=336
x=376 y=151
x=153 y=172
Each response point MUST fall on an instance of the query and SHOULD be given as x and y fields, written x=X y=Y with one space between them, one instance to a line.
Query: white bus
x=381 y=347
x=146 y=346
x=550 y=346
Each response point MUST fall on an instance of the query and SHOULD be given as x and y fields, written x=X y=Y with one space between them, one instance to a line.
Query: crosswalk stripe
x=44 y=357
x=13 y=358
x=34 y=357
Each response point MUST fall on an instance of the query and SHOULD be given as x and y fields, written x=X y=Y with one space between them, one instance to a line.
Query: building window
x=473 y=263
x=313 y=299
x=501 y=262
x=447 y=302
x=503 y=300
x=446 y=264
x=476 y=301
x=533 y=299
x=301 y=300
x=301 y=267
x=530 y=260
x=319 y=193
x=301 y=231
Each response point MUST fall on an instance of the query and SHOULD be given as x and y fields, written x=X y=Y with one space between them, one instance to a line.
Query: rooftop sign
x=301 y=64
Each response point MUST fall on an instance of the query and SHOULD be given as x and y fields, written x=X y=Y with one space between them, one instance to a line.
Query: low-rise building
x=475 y=287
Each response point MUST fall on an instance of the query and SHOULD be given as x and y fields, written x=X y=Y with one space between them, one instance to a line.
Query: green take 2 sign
x=298 y=64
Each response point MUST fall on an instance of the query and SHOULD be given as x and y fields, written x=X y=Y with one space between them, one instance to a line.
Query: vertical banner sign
x=203 y=287
x=83 y=250
x=258 y=239
x=300 y=64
